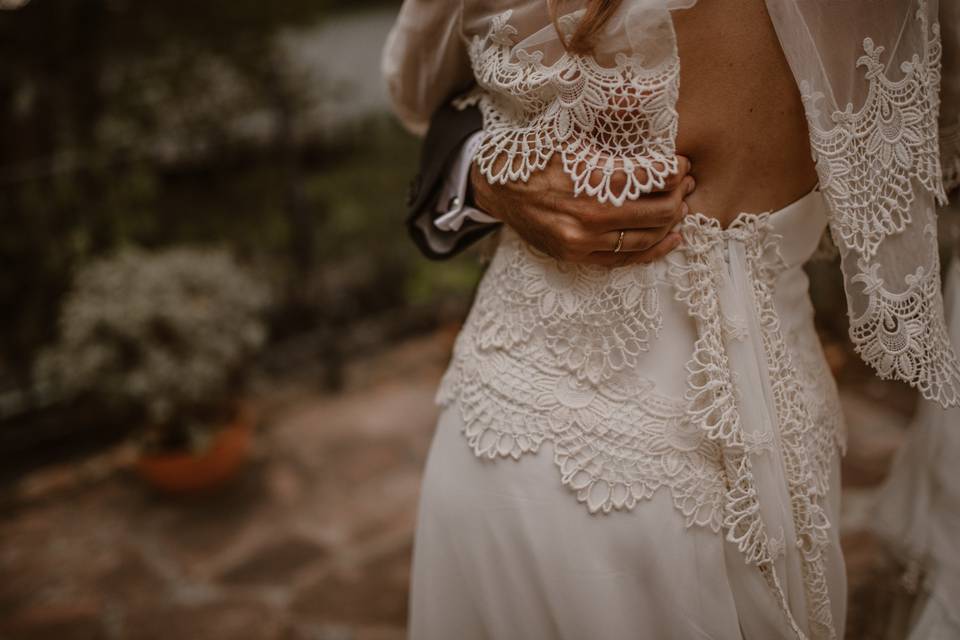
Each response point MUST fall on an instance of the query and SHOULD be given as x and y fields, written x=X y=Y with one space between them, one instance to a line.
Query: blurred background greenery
x=226 y=123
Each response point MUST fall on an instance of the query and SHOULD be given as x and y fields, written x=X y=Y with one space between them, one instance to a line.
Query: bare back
x=741 y=120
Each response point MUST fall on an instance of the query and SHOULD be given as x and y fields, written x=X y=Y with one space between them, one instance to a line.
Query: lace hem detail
x=807 y=472
x=902 y=334
x=594 y=322
x=613 y=447
x=613 y=126
x=823 y=398
x=872 y=164
x=713 y=405
x=549 y=353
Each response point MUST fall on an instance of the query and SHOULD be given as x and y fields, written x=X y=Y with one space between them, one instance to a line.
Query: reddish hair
x=596 y=14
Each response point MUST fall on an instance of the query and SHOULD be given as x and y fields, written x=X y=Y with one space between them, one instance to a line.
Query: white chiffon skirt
x=504 y=550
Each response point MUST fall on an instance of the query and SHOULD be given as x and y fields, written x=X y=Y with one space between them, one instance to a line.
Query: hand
x=546 y=214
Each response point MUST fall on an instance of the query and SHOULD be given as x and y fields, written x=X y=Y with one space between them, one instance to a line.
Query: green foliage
x=89 y=89
x=363 y=194
x=166 y=334
x=127 y=123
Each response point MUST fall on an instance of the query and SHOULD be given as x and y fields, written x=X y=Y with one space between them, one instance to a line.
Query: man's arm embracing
x=438 y=216
x=446 y=215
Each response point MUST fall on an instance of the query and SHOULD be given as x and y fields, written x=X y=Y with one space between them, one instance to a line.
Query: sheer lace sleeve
x=871 y=109
x=609 y=115
x=425 y=60
x=950 y=93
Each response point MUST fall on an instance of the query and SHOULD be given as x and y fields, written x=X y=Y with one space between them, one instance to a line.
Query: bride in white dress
x=651 y=450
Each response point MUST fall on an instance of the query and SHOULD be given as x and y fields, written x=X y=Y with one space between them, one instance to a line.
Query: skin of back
x=741 y=119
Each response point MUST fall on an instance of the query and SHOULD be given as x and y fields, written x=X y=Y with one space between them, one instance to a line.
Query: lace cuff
x=901 y=333
x=880 y=172
x=614 y=126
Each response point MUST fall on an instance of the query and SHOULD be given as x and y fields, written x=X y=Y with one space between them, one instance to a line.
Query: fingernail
x=691 y=185
x=685 y=209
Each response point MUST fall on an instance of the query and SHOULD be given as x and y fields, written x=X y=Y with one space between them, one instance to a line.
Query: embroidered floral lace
x=557 y=352
x=874 y=164
x=617 y=120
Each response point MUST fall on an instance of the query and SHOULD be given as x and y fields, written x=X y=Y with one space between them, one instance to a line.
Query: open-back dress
x=651 y=451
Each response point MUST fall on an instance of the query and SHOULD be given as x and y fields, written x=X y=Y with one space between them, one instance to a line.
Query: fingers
x=619 y=180
x=649 y=212
x=633 y=239
x=678 y=207
x=674 y=179
x=670 y=242
x=574 y=229
x=679 y=195
x=652 y=212
x=643 y=228
x=610 y=259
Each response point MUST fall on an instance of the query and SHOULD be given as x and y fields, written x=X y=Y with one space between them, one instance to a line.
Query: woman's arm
x=425 y=60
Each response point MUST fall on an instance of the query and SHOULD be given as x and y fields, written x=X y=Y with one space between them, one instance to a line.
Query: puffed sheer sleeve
x=425 y=60
x=869 y=74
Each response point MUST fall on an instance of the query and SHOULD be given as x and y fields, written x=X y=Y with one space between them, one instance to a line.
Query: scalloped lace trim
x=867 y=160
x=902 y=334
x=713 y=404
x=553 y=352
x=610 y=120
x=868 y=163
x=550 y=351
x=814 y=374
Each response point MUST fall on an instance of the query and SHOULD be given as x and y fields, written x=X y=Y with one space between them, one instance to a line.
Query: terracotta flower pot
x=189 y=472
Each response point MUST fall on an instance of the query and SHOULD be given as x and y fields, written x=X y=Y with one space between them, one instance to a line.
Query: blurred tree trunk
x=304 y=312
x=302 y=223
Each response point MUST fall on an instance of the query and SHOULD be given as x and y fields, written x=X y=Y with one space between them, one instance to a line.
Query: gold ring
x=619 y=243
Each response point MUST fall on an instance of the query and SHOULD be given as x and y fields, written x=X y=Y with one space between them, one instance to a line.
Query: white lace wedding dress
x=651 y=451
x=692 y=395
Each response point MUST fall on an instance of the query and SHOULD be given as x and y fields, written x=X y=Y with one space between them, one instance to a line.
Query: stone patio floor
x=314 y=541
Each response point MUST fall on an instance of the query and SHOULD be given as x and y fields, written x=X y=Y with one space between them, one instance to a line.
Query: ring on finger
x=619 y=242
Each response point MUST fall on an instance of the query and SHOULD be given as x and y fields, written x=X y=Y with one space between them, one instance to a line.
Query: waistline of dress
x=799 y=226
x=802 y=222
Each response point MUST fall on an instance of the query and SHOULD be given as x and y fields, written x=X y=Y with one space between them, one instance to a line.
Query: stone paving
x=314 y=541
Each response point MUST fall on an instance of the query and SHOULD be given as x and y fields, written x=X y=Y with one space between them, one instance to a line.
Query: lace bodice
x=872 y=118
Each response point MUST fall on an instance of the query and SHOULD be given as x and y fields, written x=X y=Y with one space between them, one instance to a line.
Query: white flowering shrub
x=168 y=333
